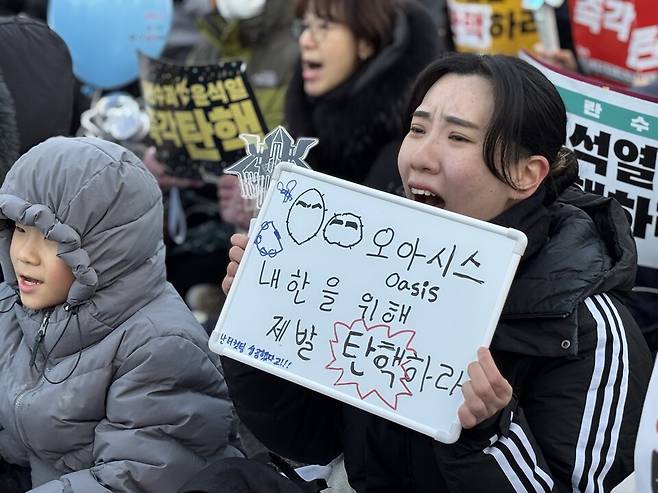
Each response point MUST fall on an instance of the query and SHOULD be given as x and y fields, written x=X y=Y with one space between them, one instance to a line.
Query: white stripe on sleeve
x=619 y=413
x=518 y=431
x=590 y=400
x=603 y=381
x=505 y=466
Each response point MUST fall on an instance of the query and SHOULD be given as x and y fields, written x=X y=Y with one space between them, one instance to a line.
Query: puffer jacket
x=121 y=393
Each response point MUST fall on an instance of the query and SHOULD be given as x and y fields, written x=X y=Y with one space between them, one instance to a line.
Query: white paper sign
x=367 y=297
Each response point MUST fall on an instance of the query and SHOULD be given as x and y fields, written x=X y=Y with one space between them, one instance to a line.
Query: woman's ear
x=528 y=174
x=364 y=49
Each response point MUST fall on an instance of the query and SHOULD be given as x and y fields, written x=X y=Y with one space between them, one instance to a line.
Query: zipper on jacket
x=41 y=333
x=38 y=338
x=543 y=315
x=17 y=405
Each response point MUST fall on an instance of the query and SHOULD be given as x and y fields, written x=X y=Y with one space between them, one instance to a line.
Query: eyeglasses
x=318 y=27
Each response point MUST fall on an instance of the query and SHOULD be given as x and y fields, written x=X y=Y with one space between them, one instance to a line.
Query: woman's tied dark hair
x=529 y=117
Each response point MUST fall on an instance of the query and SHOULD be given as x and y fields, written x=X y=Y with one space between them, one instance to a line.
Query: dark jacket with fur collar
x=363 y=116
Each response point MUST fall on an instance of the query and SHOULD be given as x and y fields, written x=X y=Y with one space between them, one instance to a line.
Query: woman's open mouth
x=427 y=197
x=310 y=69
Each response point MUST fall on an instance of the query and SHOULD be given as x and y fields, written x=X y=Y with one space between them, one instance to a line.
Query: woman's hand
x=239 y=243
x=165 y=180
x=486 y=393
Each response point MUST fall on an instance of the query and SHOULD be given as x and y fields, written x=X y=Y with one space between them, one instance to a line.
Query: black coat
x=8 y=130
x=362 y=117
x=574 y=356
x=37 y=69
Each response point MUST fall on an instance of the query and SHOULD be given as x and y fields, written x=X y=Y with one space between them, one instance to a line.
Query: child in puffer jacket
x=106 y=380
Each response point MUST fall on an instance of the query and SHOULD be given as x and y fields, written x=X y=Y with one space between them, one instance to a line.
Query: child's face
x=43 y=278
x=441 y=161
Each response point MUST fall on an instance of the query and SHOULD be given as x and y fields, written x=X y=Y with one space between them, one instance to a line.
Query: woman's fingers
x=485 y=393
x=240 y=240
x=226 y=284
x=231 y=270
x=500 y=386
x=235 y=254
x=472 y=411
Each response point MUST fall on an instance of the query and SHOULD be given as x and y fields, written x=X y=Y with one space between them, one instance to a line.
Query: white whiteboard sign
x=367 y=297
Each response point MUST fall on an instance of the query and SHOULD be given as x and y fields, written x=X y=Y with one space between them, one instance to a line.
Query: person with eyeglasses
x=357 y=64
x=358 y=60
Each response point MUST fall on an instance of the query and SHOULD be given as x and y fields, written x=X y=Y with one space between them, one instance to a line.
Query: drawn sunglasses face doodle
x=306 y=216
x=344 y=230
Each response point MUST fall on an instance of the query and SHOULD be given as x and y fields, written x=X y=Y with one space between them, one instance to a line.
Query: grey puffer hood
x=105 y=211
x=89 y=207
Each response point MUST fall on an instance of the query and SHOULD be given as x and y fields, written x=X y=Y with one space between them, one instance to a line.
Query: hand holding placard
x=235 y=254
x=384 y=319
x=486 y=393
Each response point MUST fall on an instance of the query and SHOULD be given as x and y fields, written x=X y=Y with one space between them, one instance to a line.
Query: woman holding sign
x=554 y=405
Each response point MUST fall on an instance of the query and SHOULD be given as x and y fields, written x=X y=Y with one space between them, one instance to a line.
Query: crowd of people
x=106 y=379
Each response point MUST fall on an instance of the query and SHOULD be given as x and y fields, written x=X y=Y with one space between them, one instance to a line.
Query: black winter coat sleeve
x=291 y=420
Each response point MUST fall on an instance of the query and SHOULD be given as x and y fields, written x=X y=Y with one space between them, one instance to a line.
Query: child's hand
x=486 y=393
x=239 y=242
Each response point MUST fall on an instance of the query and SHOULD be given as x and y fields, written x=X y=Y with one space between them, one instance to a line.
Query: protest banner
x=197 y=114
x=339 y=291
x=491 y=26
x=616 y=39
x=615 y=137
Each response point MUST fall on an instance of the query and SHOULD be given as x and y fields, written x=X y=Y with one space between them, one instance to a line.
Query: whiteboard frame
x=214 y=344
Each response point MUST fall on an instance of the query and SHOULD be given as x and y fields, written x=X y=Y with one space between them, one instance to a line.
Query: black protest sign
x=197 y=114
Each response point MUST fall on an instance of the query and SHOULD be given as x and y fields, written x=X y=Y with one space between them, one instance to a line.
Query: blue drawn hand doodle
x=286 y=190
x=268 y=240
